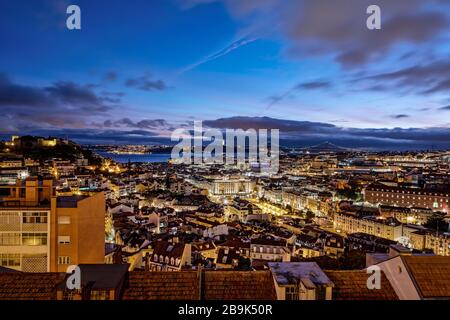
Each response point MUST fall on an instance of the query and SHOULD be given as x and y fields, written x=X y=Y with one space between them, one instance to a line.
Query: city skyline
x=228 y=157
x=134 y=73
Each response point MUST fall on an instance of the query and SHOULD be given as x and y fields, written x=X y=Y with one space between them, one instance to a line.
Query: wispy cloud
x=399 y=116
x=235 y=45
x=145 y=83
x=313 y=85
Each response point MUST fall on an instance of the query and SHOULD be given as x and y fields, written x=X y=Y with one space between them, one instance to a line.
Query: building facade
x=378 y=193
x=40 y=232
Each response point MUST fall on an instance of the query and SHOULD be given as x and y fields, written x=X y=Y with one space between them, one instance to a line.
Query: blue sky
x=135 y=62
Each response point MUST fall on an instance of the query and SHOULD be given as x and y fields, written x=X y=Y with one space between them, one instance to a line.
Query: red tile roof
x=352 y=285
x=181 y=285
x=214 y=285
x=29 y=286
x=239 y=285
x=431 y=275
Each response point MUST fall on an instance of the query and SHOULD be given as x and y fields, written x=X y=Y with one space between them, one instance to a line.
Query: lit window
x=64 y=220
x=63 y=260
x=64 y=239
x=34 y=239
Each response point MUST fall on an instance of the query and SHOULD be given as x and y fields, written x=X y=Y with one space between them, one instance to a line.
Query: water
x=125 y=158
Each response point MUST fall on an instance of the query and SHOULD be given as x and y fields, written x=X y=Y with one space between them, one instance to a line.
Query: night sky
x=138 y=69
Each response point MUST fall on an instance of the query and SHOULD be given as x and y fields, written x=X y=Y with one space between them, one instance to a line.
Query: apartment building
x=169 y=256
x=406 y=215
x=439 y=242
x=388 y=228
x=378 y=193
x=231 y=187
x=269 y=249
x=40 y=232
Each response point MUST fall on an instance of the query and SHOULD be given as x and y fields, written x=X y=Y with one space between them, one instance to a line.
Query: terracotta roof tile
x=352 y=285
x=181 y=285
x=239 y=285
x=431 y=274
x=29 y=286
x=185 y=285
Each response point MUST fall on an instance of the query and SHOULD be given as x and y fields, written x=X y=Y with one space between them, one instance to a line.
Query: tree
x=309 y=215
x=348 y=193
x=244 y=264
x=437 y=223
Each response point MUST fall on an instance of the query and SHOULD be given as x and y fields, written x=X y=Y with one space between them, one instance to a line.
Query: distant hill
x=40 y=148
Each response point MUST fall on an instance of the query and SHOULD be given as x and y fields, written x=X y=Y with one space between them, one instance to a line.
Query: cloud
x=335 y=28
x=143 y=124
x=72 y=94
x=108 y=136
x=292 y=133
x=338 y=28
x=110 y=76
x=228 y=49
x=314 y=85
x=399 y=116
x=423 y=79
x=267 y=123
x=61 y=104
x=303 y=133
x=446 y=108
x=146 y=84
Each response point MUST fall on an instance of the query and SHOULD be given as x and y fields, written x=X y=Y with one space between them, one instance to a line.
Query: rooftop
x=69 y=201
x=29 y=286
x=352 y=285
x=101 y=276
x=213 y=285
x=287 y=273
x=431 y=275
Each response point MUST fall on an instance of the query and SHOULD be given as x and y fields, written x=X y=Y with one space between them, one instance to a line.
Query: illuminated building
x=40 y=232
x=231 y=187
x=351 y=223
x=407 y=197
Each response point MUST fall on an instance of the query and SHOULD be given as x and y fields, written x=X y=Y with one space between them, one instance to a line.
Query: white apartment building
x=24 y=239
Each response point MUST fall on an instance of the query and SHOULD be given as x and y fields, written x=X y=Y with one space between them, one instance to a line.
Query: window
x=64 y=239
x=34 y=239
x=99 y=295
x=9 y=259
x=63 y=260
x=292 y=293
x=64 y=220
x=9 y=239
x=34 y=217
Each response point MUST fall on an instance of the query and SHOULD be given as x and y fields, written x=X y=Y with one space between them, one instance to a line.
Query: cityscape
x=225 y=150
